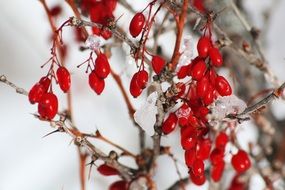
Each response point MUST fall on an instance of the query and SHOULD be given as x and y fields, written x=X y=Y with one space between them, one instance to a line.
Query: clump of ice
x=186 y=50
x=94 y=42
x=227 y=105
x=146 y=115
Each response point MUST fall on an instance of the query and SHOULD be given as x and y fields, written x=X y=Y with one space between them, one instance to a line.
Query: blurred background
x=28 y=161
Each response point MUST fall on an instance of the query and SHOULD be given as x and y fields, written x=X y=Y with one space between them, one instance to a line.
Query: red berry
x=216 y=156
x=45 y=81
x=36 y=93
x=203 y=46
x=217 y=171
x=222 y=86
x=102 y=66
x=241 y=161
x=216 y=57
x=190 y=157
x=169 y=124
x=97 y=84
x=106 y=170
x=119 y=185
x=203 y=149
x=110 y=5
x=182 y=114
x=237 y=184
x=142 y=78
x=193 y=121
x=198 y=70
x=157 y=63
x=48 y=106
x=63 y=77
x=209 y=96
x=221 y=140
x=198 y=167
x=135 y=89
x=212 y=76
x=106 y=34
x=197 y=180
x=183 y=71
x=188 y=141
x=137 y=24
x=203 y=87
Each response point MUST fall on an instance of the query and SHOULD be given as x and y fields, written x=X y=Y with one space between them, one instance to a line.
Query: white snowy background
x=30 y=162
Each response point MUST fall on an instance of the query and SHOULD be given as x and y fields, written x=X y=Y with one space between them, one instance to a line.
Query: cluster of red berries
x=42 y=94
x=101 y=12
x=99 y=73
x=197 y=94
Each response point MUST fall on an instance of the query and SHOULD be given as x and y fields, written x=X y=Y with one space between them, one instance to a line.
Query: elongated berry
x=137 y=24
x=135 y=89
x=157 y=63
x=169 y=124
x=203 y=87
x=36 y=93
x=221 y=140
x=63 y=78
x=222 y=86
x=188 y=141
x=45 y=81
x=190 y=157
x=203 y=148
x=203 y=46
x=119 y=185
x=97 y=84
x=216 y=57
x=198 y=70
x=142 y=78
x=217 y=171
x=102 y=66
x=198 y=167
x=106 y=170
x=183 y=71
x=197 y=179
x=240 y=161
x=48 y=106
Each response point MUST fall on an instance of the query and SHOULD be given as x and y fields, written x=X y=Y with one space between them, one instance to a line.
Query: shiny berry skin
x=203 y=46
x=209 y=96
x=203 y=149
x=106 y=34
x=106 y=170
x=188 y=141
x=198 y=70
x=157 y=63
x=102 y=66
x=137 y=24
x=142 y=78
x=203 y=87
x=97 y=84
x=36 y=93
x=216 y=57
x=241 y=161
x=221 y=140
x=119 y=185
x=217 y=171
x=216 y=156
x=135 y=89
x=169 y=124
x=110 y=5
x=212 y=75
x=190 y=157
x=48 y=106
x=63 y=78
x=45 y=81
x=222 y=86
x=197 y=180
x=183 y=71
x=198 y=167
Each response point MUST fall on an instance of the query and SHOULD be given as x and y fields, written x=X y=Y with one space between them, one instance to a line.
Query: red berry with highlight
x=135 y=89
x=222 y=86
x=97 y=84
x=48 y=106
x=203 y=46
x=63 y=78
x=216 y=57
x=198 y=70
x=106 y=170
x=198 y=167
x=241 y=161
x=36 y=93
x=217 y=171
x=169 y=124
x=197 y=179
x=102 y=66
x=137 y=24
x=157 y=63
x=142 y=78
